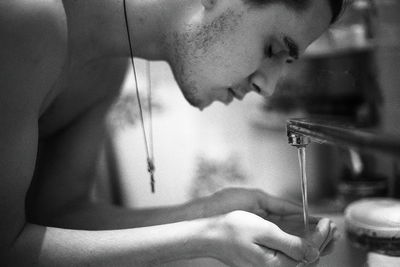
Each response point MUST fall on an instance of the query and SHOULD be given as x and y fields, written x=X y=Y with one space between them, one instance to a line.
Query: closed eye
x=268 y=51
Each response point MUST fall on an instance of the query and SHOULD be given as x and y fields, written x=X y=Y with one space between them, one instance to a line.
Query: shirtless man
x=61 y=66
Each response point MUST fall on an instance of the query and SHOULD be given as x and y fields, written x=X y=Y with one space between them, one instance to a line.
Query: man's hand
x=294 y=224
x=251 y=200
x=273 y=238
x=244 y=239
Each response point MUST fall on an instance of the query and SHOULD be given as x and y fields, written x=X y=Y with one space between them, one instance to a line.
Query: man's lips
x=237 y=94
x=229 y=97
x=234 y=93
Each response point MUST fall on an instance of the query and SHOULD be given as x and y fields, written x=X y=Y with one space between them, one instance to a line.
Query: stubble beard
x=190 y=49
x=181 y=63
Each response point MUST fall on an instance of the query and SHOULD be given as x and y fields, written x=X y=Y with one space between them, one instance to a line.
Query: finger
x=329 y=245
x=314 y=220
x=277 y=205
x=321 y=233
x=293 y=224
x=293 y=246
x=263 y=214
x=299 y=218
x=276 y=258
x=329 y=238
x=314 y=264
x=328 y=249
x=337 y=235
x=324 y=249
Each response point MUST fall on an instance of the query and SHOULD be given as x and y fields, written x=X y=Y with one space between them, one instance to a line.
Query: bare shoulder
x=33 y=19
x=32 y=52
x=33 y=45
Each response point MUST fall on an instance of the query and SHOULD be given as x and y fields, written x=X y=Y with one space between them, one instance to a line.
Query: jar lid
x=374 y=217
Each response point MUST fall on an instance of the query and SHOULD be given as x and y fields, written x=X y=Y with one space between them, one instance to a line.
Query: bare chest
x=79 y=88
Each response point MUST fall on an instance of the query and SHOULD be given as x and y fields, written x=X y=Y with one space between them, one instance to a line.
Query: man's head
x=223 y=49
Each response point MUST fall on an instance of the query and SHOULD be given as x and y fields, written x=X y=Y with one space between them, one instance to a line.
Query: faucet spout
x=298 y=140
x=301 y=132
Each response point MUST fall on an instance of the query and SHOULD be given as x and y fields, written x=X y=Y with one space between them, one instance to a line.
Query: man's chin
x=199 y=103
x=201 y=107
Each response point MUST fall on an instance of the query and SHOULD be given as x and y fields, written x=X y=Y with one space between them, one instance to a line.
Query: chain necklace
x=148 y=143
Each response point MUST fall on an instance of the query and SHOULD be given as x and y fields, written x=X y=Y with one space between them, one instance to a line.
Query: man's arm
x=47 y=246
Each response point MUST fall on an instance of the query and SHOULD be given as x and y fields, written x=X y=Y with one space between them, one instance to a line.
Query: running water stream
x=301 y=150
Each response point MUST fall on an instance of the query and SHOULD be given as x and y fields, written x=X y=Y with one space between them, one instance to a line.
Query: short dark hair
x=336 y=5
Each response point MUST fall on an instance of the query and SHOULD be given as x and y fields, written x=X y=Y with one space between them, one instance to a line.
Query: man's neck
x=100 y=26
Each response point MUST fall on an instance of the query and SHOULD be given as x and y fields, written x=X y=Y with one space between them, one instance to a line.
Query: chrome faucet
x=298 y=140
x=301 y=132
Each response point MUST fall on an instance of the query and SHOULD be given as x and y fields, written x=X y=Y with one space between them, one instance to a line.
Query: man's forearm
x=148 y=246
x=99 y=216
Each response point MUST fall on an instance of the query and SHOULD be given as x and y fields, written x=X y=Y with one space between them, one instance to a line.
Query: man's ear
x=208 y=4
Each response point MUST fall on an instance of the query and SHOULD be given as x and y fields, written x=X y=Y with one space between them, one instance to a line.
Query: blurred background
x=352 y=72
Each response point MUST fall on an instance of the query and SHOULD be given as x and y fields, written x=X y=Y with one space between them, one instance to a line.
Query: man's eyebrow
x=292 y=46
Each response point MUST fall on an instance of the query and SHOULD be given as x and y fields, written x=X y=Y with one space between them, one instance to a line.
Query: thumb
x=293 y=246
x=323 y=233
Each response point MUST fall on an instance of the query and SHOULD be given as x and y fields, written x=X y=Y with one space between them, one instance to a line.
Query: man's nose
x=265 y=79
